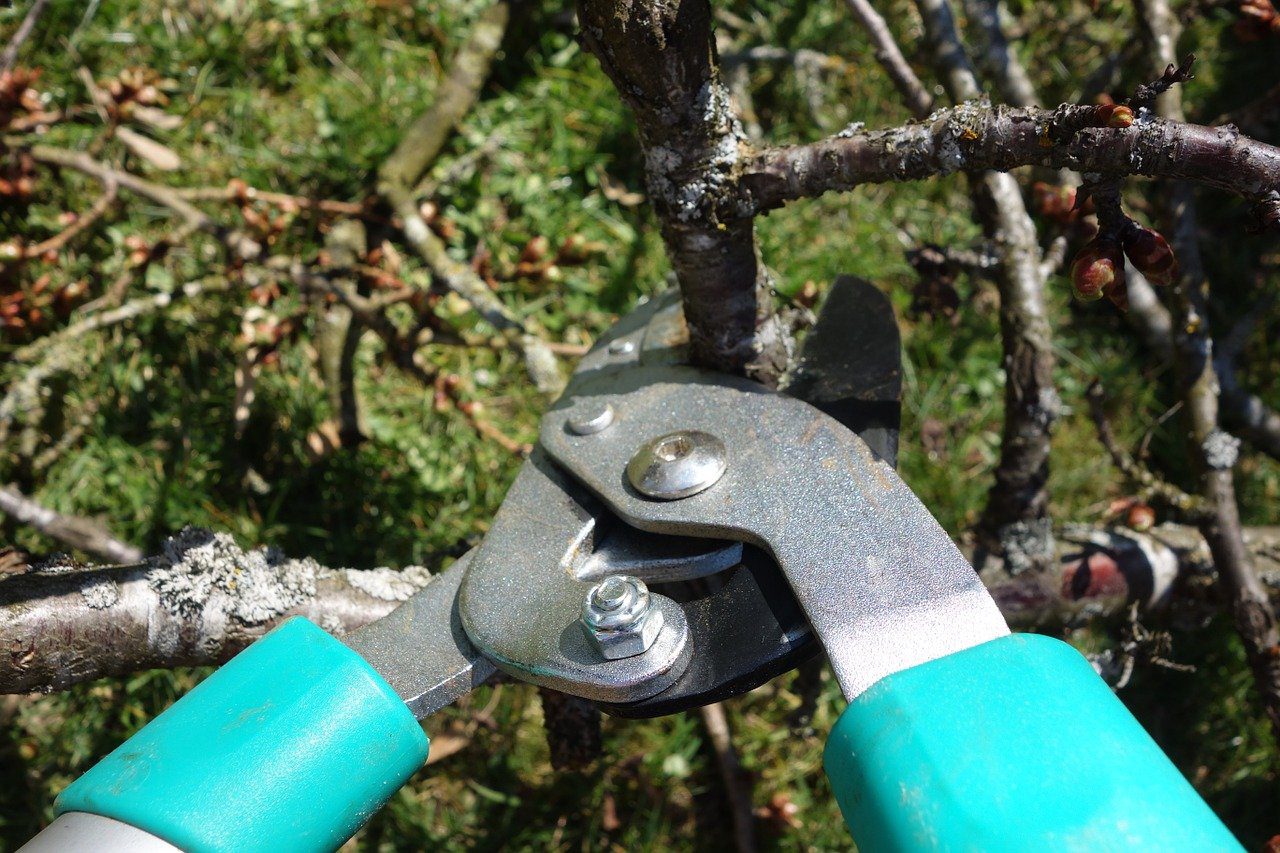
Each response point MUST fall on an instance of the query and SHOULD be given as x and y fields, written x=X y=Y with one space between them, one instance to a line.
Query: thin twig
x=240 y=245
x=890 y=57
x=237 y=193
x=418 y=149
x=737 y=785
x=134 y=308
x=9 y=57
x=82 y=222
x=1191 y=508
x=80 y=533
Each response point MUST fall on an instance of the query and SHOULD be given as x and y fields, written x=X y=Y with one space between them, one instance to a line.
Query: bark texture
x=662 y=59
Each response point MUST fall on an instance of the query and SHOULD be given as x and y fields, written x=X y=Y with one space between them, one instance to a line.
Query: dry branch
x=418 y=149
x=58 y=241
x=240 y=245
x=1190 y=508
x=9 y=56
x=890 y=57
x=735 y=779
x=80 y=533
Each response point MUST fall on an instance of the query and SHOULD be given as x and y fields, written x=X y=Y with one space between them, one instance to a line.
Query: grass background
x=308 y=98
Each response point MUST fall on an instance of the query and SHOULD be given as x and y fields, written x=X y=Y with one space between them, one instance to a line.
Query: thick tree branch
x=199 y=602
x=977 y=136
x=204 y=598
x=662 y=59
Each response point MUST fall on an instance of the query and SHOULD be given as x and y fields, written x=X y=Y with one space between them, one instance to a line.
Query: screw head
x=677 y=465
x=622 y=346
x=619 y=617
x=591 y=417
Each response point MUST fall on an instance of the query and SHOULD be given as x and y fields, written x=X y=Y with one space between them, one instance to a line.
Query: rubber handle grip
x=291 y=745
x=1012 y=745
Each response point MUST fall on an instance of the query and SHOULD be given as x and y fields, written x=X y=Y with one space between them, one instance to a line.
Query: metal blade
x=421 y=649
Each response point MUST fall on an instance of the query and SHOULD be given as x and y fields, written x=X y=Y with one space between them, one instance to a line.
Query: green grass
x=309 y=98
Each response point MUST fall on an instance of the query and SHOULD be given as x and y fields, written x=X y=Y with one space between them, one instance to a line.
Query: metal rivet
x=677 y=465
x=622 y=346
x=590 y=418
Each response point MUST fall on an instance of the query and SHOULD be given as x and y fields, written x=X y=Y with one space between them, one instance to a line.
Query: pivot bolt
x=677 y=465
x=619 y=617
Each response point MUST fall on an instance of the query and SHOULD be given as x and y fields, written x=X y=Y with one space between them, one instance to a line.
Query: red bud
x=1098 y=269
x=1141 y=517
x=1151 y=255
x=1115 y=115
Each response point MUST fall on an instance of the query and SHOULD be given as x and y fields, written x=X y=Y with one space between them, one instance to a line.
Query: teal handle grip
x=1015 y=744
x=292 y=745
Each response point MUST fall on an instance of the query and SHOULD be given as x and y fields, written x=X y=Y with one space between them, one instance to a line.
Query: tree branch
x=1015 y=520
x=203 y=598
x=662 y=59
x=976 y=136
x=998 y=58
x=890 y=57
x=418 y=149
x=199 y=602
x=240 y=245
x=735 y=780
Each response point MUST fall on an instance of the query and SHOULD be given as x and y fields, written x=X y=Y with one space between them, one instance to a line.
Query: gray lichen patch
x=388 y=584
x=1221 y=450
x=198 y=569
x=1026 y=544
x=100 y=594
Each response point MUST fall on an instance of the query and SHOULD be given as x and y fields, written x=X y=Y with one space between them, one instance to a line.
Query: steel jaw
x=881 y=582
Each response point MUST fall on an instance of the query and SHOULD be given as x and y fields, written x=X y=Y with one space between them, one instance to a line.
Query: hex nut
x=630 y=641
x=619 y=618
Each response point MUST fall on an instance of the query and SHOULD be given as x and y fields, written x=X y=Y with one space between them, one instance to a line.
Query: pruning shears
x=676 y=537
